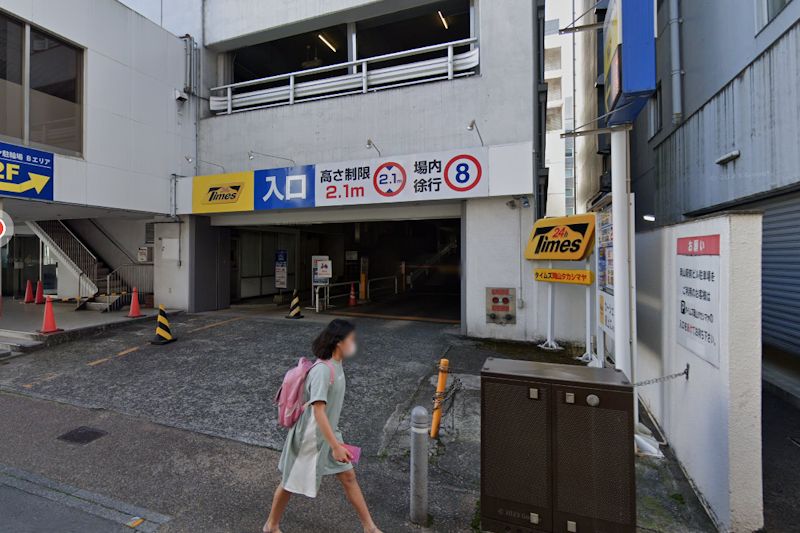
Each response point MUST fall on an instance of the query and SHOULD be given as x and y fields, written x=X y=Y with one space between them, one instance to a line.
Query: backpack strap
x=330 y=367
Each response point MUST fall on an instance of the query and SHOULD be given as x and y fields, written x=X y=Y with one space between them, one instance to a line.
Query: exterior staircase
x=100 y=287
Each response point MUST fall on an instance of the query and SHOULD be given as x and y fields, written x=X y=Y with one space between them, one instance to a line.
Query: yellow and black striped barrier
x=163 y=333
x=294 y=308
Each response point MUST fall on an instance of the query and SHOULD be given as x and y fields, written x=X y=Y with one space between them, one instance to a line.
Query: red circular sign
x=469 y=182
x=389 y=179
x=2 y=229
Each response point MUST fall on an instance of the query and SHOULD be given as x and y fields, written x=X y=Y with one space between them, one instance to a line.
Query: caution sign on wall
x=561 y=239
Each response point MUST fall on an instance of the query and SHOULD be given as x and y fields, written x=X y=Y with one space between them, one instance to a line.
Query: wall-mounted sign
x=418 y=177
x=697 y=275
x=605 y=311
x=316 y=266
x=562 y=239
x=559 y=275
x=222 y=193
x=501 y=305
x=629 y=58
x=284 y=188
x=25 y=172
x=434 y=176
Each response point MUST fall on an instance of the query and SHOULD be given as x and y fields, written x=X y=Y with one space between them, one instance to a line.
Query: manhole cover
x=82 y=435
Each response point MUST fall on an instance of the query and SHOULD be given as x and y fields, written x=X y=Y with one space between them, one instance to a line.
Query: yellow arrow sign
x=35 y=181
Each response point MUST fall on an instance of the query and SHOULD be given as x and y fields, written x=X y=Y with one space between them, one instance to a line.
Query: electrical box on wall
x=501 y=305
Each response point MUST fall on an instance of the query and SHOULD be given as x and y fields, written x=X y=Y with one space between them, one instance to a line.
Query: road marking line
x=215 y=324
x=98 y=361
x=47 y=377
x=129 y=350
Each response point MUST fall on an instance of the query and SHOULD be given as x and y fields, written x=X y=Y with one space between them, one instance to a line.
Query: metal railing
x=126 y=277
x=360 y=78
x=388 y=287
x=71 y=246
x=345 y=294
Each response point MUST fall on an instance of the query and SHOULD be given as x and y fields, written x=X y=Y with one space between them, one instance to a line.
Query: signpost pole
x=620 y=202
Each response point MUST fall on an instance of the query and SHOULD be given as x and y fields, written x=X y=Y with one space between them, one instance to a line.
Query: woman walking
x=314 y=446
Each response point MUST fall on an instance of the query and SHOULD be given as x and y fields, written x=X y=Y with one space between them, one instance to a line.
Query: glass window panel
x=11 y=113
x=55 y=93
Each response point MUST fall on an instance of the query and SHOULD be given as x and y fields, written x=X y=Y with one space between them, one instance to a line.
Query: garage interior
x=411 y=267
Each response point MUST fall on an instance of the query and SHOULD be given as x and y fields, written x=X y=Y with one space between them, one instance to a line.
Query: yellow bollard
x=441 y=385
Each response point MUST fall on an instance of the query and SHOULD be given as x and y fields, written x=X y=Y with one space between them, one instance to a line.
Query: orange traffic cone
x=352 y=301
x=39 y=292
x=49 y=322
x=29 y=292
x=135 y=312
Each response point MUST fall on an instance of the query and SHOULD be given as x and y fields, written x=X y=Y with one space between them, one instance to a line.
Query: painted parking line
x=132 y=349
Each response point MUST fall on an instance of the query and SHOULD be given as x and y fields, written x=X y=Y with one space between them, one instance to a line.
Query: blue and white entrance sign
x=629 y=58
x=434 y=176
x=25 y=172
x=284 y=188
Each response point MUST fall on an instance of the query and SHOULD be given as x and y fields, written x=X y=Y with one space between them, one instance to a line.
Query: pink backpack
x=290 y=396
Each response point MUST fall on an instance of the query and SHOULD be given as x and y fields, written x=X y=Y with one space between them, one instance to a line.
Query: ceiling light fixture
x=649 y=218
x=444 y=21
x=327 y=43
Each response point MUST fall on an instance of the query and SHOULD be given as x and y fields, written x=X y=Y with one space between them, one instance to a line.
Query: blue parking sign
x=284 y=188
x=25 y=172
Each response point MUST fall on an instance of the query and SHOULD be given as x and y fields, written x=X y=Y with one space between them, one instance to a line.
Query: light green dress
x=306 y=456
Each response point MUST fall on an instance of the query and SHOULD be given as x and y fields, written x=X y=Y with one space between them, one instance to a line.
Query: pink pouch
x=355 y=451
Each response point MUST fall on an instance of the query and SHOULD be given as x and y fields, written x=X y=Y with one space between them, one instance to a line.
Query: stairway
x=101 y=288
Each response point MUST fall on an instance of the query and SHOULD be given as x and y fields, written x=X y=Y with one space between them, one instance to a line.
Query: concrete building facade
x=169 y=91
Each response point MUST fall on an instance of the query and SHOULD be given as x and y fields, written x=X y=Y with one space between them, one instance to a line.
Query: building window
x=54 y=89
x=554 y=119
x=766 y=10
x=552 y=59
x=11 y=110
x=554 y=90
x=654 y=111
x=55 y=93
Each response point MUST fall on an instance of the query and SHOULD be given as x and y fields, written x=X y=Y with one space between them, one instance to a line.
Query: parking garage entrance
x=398 y=269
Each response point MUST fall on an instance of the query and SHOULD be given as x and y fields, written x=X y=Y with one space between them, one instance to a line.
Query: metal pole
x=620 y=213
x=419 y=466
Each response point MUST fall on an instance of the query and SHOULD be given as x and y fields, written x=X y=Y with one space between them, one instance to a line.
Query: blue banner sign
x=25 y=172
x=284 y=188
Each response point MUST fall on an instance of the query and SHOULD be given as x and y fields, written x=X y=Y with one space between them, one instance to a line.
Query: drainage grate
x=82 y=435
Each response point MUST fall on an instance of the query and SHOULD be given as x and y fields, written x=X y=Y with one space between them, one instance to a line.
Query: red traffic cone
x=352 y=301
x=39 y=292
x=49 y=321
x=135 y=312
x=29 y=292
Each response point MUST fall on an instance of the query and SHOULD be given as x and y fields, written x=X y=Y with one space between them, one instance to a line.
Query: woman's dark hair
x=334 y=333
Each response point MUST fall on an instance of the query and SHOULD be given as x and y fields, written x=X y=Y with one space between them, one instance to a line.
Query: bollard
x=441 y=385
x=419 y=466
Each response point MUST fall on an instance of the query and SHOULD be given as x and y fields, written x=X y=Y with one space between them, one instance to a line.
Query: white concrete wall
x=713 y=420
x=495 y=243
x=135 y=133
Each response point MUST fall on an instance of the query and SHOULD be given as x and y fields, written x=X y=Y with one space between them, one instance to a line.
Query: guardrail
x=370 y=282
x=345 y=294
x=360 y=78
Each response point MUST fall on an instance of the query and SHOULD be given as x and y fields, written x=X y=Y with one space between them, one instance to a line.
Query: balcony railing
x=363 y=77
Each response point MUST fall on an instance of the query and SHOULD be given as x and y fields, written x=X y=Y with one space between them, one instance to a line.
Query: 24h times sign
x=697 y=271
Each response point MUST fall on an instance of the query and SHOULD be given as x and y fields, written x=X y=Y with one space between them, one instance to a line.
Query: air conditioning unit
x=557 y=451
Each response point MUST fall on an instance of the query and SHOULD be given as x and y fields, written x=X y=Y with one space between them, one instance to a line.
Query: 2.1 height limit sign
x=698 y=295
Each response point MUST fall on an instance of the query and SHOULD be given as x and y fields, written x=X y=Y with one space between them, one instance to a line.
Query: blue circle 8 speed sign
x=462 y=173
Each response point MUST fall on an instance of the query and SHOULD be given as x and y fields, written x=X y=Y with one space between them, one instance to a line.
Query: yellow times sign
x=561 y=239
x=223 y=193
x=556 y=275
